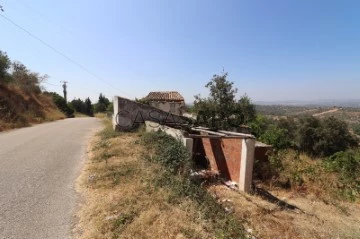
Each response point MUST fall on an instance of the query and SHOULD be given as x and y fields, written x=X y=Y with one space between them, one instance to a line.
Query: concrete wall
x=128 y=114
x=176 y=133
x=167 y=106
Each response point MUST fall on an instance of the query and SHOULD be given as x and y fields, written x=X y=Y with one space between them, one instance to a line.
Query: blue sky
x=272 y=50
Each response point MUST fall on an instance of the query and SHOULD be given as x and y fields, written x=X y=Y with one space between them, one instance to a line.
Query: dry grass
x=304 y=175
x=122 y=200
x=304 y=183
x=80 y=115
x=313 y=219
x=19 y=108
x=100 y=115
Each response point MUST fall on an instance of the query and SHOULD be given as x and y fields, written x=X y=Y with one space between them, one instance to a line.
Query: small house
x=168 y=101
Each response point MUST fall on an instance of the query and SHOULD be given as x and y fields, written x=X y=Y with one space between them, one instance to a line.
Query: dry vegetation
x=304 y=201
x=269 y=217
x=19 y=108
x=125 y=200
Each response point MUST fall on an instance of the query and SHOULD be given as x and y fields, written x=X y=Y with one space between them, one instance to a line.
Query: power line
x=43 y=16
x=50 y=83
x=62 y=54
x=56 y=24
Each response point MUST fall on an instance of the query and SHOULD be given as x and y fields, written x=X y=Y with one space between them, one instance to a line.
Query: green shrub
x=176 y=160
x=356 y=129
x=277 y=137
x=170 y=152
x=347 y=165
x=324 y=137
x=259 y=125
x=60 y=102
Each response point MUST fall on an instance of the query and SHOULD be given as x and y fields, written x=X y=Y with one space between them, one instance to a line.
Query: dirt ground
x=282 y=214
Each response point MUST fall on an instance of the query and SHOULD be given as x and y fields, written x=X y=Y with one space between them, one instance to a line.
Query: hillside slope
x=19 y=107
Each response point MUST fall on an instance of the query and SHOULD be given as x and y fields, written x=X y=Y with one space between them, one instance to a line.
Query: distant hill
x=314 y=103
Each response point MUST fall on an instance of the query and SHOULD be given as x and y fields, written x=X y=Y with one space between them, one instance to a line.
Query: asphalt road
x=38 y=169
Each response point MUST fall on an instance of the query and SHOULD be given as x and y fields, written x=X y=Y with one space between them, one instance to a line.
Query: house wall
x=166 y=106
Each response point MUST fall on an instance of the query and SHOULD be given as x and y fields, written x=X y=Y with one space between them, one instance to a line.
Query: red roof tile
x=165 y=96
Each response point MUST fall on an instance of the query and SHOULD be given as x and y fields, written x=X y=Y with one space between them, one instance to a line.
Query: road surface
x=38 y=169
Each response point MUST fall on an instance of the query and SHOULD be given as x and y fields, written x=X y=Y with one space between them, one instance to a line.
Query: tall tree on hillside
x=221 y=110
x=5 y=64
x=26 y=79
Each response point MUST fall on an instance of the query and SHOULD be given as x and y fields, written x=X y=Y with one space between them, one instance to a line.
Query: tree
x=102 y=104
x=88 y=107
x=245 y=110
x=221 y=110
x=60 y=102
x=324 y=137
x=110 y=108
x=77 y=104
x=277 y=137
x=5 y=64
x=27 y=80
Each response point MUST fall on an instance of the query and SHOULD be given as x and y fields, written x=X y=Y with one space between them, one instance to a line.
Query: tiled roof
x=165 y=96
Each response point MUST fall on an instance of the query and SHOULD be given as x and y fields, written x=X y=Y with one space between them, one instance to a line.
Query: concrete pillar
x=247 y=164
x=189 y=144
x=116 y=111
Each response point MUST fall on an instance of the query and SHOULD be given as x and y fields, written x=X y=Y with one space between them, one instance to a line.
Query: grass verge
x=136 y=185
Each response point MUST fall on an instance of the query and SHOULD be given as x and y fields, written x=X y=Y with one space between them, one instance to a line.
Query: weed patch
x=177 y=164
x=131 y=193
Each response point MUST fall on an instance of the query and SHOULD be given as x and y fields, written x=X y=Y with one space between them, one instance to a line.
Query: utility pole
x=64 y=87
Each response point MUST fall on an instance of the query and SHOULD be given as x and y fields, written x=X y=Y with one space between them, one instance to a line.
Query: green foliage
x=110 y=108
x=60 y=102
x=108 y=132
x=89 y=110
x=356 y=129
x=5 y=64
x=19 y=75
x=78 y=105
x=277 y=137
x=170 y=152
x=27 y=80
x=316 y=137
x=259 y=125
x=84 y=107
x=221 y=110
x=102 y=104
x=324 y=137
x=143 y=100
x=175 y=158
x=347 y=164
x=245 y=110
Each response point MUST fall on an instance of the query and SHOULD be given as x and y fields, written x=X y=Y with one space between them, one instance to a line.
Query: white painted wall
x=173 y=107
